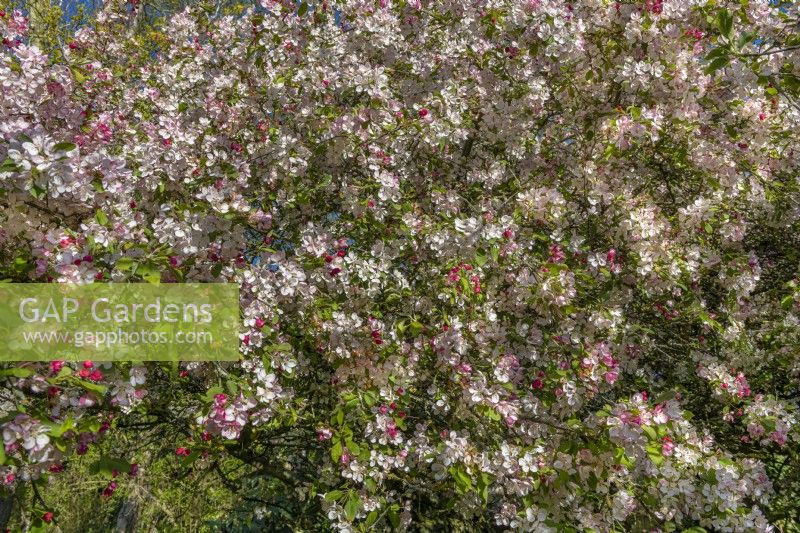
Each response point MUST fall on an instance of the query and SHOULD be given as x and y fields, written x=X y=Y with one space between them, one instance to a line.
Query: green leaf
x=101 y=217
x=352 y=402
x=78 y=75
x=465 y=286
x=68 y=424
x=622 y=458
x=483 y=486
x=149 y=272
x=744 y=38
x=352 y=506
x=216 y=269
x=717 y=64
x=716 y=52
x=333 y=495
x=791 y=83
x=394 y=516
x=106 y=466
x=38 y=192
x=124 y=263
x=303 y=9
x=463 y=480
x=654 y=453
x=354 y=448
x=213 y=391
x=336 y=451
x=37 y=526
x=283 y=347
x=8 y=166
x=650 y=432
x=16 y=372
x=664 y=397
x=93 y=387
x=370 y=398
x=725 y=23
x=65 y=147
x=488 y=412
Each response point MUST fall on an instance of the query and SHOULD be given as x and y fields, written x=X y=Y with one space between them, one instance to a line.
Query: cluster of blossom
x=226 y=417
x=29 y=434
x=764 y=419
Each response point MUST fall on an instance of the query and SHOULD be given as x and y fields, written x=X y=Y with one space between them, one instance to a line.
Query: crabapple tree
x=527 y=265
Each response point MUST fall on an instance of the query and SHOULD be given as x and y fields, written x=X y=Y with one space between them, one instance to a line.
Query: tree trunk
x=126 y=517
x=6 y=505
